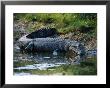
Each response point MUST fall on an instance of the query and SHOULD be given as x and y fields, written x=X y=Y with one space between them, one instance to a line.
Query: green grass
x=63 y=22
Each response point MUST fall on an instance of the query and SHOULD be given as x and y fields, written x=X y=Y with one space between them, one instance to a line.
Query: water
x=40 y=61
x=43 y=61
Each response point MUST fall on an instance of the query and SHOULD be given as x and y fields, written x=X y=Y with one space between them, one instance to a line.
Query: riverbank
x=81 y=27
x=78 y=27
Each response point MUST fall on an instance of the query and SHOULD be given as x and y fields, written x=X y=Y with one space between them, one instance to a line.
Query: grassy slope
x=63 y=22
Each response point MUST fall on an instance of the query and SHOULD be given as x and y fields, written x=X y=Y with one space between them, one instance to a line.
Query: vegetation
x=63 y=22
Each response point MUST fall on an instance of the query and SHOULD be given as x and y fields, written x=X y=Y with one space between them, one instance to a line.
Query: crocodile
x=43 y=42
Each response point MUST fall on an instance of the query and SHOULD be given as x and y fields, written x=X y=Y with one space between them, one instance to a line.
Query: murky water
x=41 y=61
x=44 y=60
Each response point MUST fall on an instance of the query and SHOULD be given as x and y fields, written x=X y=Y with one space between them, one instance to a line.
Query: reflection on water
x=42 y=61
x=43 y=57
